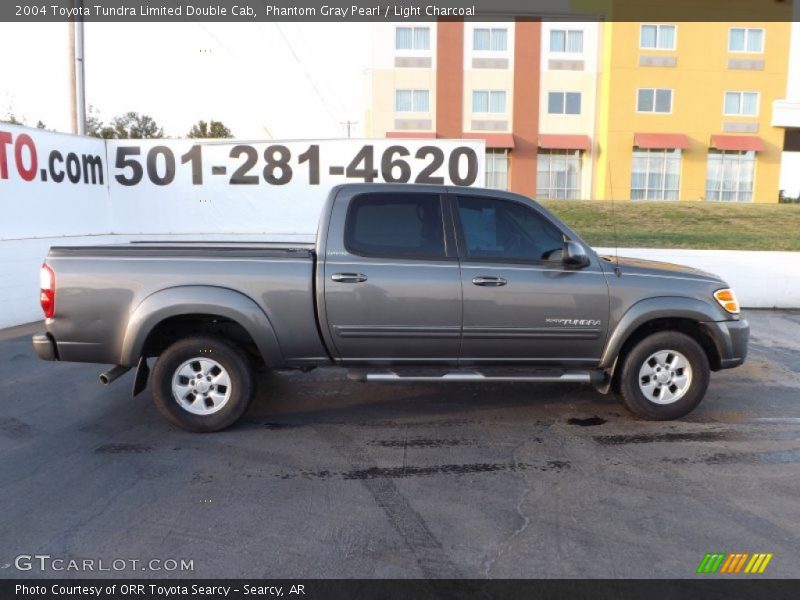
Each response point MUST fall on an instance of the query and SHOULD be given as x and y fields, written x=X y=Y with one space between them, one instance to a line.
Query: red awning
x=661 y=141
x=416 y=135
x=563 y=141
x=493 y=140
x=742 y=143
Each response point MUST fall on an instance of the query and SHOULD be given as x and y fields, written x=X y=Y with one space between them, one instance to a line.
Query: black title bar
x=405 y=10
x=405 y=589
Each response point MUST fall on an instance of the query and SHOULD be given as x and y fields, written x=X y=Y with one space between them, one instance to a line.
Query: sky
x=263 y=80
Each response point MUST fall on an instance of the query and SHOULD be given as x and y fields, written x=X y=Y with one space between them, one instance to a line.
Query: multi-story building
x=786 y=114
x=685 y=111
x=650 y=111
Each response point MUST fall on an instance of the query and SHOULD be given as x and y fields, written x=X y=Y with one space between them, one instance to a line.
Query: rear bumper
x=45 y=346
x=730 y=338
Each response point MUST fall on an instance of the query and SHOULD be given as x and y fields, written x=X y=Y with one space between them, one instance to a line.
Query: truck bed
x=100 y=288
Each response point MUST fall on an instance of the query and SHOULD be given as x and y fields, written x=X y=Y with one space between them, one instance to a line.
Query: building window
x=743 y=104
x=650 y=100
x=745 y=39
x=411 y=101
x=566 y=40
x=558 y=174
x=497 y=169
x=490 y=39
x=412 y=38
x=730 y=175
x=485 y=101
x=564 y=103
x=656 y=174
x=657 y=37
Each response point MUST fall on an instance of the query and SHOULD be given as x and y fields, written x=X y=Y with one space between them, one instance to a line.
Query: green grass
x=709 y=225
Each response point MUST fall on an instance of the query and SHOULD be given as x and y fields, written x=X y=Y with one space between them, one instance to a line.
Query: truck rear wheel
x=202 y=383
x=664 y=376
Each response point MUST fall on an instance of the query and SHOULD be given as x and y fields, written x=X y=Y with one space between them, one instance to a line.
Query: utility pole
x=348 y=124
x=80 y=75
x=73 y=112
x=77 y=86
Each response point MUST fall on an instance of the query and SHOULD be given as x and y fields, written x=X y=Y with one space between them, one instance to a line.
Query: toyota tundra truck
x=405 y=283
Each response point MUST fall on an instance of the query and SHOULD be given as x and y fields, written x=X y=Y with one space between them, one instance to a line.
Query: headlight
x=727 y=300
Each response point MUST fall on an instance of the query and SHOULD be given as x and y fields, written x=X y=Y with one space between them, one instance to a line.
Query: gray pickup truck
x=406 y=283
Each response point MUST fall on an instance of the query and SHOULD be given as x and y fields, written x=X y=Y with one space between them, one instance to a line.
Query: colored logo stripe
x=758 y=563
x=719 y=562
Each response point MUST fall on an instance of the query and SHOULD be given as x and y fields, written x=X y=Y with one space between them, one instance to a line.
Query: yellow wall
x=699 y=81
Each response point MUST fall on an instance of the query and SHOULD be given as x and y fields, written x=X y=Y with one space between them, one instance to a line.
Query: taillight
x=47 y=295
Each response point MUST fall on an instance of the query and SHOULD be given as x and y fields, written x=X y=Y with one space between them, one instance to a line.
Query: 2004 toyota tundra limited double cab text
x=406 y=283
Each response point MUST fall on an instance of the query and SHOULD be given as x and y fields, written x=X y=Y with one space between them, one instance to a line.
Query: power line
x=297 y=59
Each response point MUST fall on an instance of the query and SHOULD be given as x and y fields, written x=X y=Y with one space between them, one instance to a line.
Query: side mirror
x=574 y=255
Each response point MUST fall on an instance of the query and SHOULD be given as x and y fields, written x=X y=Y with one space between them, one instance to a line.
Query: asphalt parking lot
x=331 y=478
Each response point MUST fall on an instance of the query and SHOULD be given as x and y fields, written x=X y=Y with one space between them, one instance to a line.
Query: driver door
x=521 y=304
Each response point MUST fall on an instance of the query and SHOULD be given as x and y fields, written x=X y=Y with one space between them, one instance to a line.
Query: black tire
x=643 y=406
x=228 y=356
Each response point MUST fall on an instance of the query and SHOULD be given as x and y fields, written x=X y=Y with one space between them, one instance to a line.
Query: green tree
x=94 y=126
x=132 y=125
x=216 y=129
x=12 y=119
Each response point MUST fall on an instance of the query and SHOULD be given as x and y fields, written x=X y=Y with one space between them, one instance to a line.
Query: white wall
x=39 y=210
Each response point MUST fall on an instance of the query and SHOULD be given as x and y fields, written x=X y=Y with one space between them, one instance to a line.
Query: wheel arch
x=667 y=313
x=198 y=310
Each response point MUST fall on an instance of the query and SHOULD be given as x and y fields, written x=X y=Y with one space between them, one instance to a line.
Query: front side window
x=558 y=174
x=412 y=38
x=730 y=176
x=564 y=103
x=490 y=39
x=411 y=101
x=488 y=101
x=566 y=40
x=650 y=100
x=656 y=174
x=744 y=104
x=395 y=224
x=497 y=169
x=657 y=37
x=505 y=230
x=746 y=39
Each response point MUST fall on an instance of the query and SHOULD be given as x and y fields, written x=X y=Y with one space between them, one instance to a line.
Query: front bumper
x=730 y=338
x=45 y=346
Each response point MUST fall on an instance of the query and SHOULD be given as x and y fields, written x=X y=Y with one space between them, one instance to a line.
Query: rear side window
x=395 y=224
x=506 y=230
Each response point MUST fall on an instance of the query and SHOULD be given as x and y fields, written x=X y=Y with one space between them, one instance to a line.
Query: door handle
x=349 y=277
x=489 y=281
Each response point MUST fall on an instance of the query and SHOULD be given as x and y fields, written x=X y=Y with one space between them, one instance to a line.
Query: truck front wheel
x=664 y=376
x=203 y=383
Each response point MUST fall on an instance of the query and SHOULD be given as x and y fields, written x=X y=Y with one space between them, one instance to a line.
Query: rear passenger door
x=392 y=284
x=521 y=303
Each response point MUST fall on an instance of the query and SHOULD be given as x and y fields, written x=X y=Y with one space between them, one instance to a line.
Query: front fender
x=199 y=300
x=649 y=309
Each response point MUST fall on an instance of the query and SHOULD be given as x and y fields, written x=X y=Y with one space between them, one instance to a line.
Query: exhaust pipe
x=112 y=374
